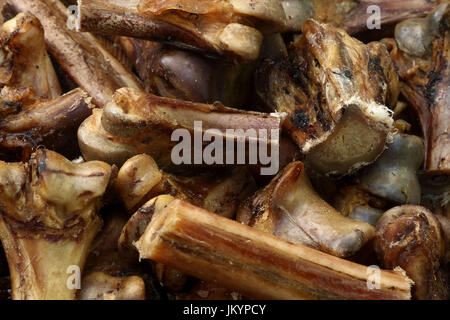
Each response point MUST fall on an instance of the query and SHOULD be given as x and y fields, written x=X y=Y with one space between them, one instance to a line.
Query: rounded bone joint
x=410 y=237
x=394 y=175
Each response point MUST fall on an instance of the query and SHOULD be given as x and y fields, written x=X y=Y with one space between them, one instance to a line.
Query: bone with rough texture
x=48 y=220
x=410 y=237
x=81 y=55
x=149 y=121
x=335 y=90
x=256 y=263
x=354 y=16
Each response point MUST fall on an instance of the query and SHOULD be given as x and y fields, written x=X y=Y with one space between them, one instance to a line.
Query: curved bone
x=290 y=209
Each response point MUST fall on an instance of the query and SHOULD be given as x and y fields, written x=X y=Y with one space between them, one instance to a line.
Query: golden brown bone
x=335 y=90
x=48 y=220
x=81 y=55
x=209 y=291
x=51 y=123
x=133 y=113
x=139 y=180
x=210 y=34
x=101 y=286
x=410 y=237
x=168 y=277
x=98 y=144
x=217 y=191
x=291 y=209
x=256 y=263
x=25 y=62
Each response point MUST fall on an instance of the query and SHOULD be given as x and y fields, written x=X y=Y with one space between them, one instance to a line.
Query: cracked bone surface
x=426 y=87
x=256 y=263
x=219 y=191
x=230 y=28
x=394 y=175
x=50 y=123
x=24 y=59
x=291 y=209
x=410 y=237
x=81 y=55
x=48 y=220
x=335 y=90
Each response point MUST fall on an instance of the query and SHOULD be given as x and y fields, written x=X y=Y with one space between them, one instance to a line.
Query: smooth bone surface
x=256 y=263
x=291 y=209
